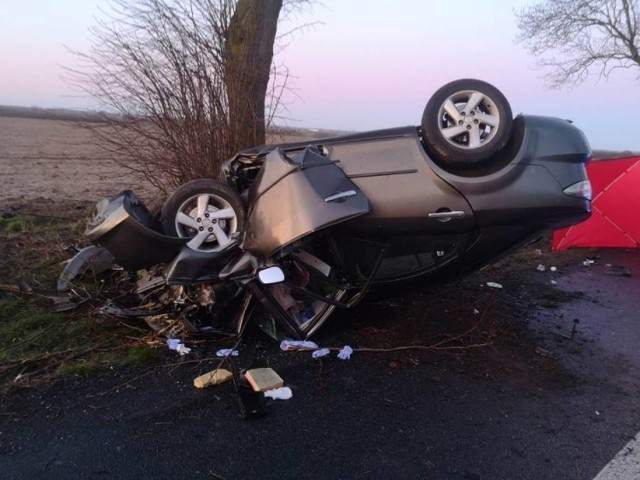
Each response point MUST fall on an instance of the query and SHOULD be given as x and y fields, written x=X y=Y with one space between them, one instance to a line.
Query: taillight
x=580 y=190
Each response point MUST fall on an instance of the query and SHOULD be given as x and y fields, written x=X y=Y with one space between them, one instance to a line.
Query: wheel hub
x=467 y=120
x=206 y=223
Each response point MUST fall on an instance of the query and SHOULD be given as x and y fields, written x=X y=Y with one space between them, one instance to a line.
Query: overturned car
x=297 y=230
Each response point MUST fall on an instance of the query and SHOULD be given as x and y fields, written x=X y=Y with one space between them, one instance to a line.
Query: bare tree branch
x=184 y=83
x=575 y=38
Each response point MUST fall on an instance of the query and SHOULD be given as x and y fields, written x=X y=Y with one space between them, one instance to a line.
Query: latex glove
x=345 y=353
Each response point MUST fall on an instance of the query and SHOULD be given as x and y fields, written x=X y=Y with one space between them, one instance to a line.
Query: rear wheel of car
x=466 y=122
x=208 y=212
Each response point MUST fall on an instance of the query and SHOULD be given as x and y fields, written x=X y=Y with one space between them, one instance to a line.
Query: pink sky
x=366 y=65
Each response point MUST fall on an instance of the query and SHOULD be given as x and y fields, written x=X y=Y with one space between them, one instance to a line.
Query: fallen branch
x=414 y=347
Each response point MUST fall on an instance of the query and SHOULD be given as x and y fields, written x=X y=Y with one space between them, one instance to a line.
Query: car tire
x=208 y=212
x=466 y=122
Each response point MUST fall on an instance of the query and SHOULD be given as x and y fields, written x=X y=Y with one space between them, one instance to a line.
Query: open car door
x=295 y=196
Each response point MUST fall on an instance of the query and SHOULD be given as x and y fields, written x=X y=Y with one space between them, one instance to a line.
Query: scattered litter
x=64 y=302
x=282 y=393
x=476 y=311
x=253 y=405
x=541 y=268
x=323 y=352
x=227 y=352
x=588 y=262
x=554 y=269
x=159 y=323
x=597 y=413
x=345 y=353
x=494 y=285
x=618 y=271
x=215 y=377
x=178 y=346
x=290 y=345
x=95 y=259
x=553 y=282
x=263 y=379
x=538 y=251
x=110 y=308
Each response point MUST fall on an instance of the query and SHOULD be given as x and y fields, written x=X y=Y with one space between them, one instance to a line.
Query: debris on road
x=345 y=353
x=618 y=271
x=215 y=377
x=323 y=352
x=282 y=393
x=554 y=269
x=541 y=268
x=178 y=346
x=94 y=259
x=588 y=262
x=263 y=379
x=494 y=285
x=253 y=405
x=160 y=323
x=65 y=301
x=291 y=345
x=227 y=352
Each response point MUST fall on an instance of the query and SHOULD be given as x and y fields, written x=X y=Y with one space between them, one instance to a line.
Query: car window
x=406 y=256
x=411 y=255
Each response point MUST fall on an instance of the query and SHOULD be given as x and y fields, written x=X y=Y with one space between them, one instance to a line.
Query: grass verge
x=37 y=344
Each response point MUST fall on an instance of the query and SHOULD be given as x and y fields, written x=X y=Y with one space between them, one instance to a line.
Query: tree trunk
x=249 y=53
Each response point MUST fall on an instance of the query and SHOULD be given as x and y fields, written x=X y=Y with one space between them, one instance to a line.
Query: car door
x=296 y=195
x=406 y=195
x=421 y=220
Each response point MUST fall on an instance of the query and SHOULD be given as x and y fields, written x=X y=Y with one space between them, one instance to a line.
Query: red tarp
x=615 y=209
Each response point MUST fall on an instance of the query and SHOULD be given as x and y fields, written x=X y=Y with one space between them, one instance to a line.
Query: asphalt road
x=538 y=403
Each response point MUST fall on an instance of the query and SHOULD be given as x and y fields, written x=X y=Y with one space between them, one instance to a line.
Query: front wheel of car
x=207 y=212
x=466 y=122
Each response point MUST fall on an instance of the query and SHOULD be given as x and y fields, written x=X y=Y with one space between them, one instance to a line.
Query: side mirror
x=271 y=275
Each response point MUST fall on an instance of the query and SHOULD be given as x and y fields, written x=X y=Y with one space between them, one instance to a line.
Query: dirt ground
x=53 y=160
x=57 y=161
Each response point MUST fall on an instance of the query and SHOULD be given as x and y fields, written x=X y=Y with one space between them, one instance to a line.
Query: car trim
x=382 y=174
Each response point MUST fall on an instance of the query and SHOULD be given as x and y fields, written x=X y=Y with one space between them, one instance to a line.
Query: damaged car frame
x=297 y=230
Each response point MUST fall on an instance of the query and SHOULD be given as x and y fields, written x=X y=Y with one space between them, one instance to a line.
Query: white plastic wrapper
x=282 y=393
x=494 y=285
x=289 y=345
x=227 y=352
